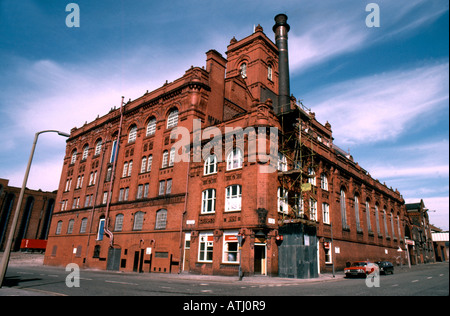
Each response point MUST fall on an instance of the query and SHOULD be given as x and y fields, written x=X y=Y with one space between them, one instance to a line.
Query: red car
x=360 y=268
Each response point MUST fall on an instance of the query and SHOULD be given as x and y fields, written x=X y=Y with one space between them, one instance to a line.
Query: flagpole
x=115 y=154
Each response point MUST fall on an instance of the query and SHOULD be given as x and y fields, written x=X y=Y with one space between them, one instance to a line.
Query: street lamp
x=7 y=252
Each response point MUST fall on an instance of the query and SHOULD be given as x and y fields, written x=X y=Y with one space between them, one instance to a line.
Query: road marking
x=429 y=278
x=441 y=274
x=394 y=285
x=204 y=284
x=120 y=282
x=414 y=281
x=24 y=272
x=206 y=291
x=53 y=275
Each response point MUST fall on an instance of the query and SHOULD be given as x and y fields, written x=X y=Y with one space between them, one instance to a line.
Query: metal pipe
x=7 y=252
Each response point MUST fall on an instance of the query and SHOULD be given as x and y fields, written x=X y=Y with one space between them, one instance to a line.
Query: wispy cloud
x=380 y=107
x=328 y=33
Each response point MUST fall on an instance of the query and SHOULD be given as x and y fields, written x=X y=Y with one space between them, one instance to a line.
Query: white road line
x=53 y=275
x=394 y=285
x=429 y=278
x=120 y=282
x=414 y=281
x=24 y=272
x=206 y=291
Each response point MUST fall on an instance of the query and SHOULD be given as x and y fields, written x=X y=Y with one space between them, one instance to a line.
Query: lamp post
x=7 y=252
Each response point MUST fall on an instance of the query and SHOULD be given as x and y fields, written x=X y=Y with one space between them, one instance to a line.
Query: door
x=136 y=261
x=187 y=247
x=260 y=259
x=113 y=262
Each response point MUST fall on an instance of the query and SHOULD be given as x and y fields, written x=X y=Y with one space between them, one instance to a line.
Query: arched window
x=343 y=210
x=118 y=223
x=358 y=222
x=83 y=225
x=58 y=228
x=244 y=70
x=132 y=134
x=172 y=157
x=210 y=166
x=98 y=147
x=165 y=159
x=85 y=152
x=386 y=232
x=74 y=156
x=369 y=224
x=125 y=169
x=138 y=220
x=151 y=127
x=377 y=219
x=234 y=159
x=172 y=119
x=161 y=219
x=324 y=181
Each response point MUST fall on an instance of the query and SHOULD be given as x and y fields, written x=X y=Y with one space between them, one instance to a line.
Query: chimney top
x=280 y=20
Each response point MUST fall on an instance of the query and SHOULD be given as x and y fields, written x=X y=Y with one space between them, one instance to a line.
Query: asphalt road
x=423 y=280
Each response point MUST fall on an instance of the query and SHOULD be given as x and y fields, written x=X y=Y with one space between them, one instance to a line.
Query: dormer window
x=244 y=70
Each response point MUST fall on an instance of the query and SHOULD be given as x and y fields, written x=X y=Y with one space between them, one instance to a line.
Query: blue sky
x=383 y=90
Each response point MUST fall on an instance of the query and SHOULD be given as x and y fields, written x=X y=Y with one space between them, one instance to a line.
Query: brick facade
x=34 y=216
x=188 y=215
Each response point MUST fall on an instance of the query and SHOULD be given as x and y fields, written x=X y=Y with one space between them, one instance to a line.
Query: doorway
x=260 y=259
x=138 y=261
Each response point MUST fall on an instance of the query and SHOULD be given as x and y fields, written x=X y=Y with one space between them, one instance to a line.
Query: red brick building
x=34 y=216
x=182 y=203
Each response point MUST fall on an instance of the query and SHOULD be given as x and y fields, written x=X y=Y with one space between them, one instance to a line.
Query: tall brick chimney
x=281 y=29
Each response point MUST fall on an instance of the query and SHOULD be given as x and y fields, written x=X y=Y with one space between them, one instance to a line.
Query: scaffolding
x=297 y=174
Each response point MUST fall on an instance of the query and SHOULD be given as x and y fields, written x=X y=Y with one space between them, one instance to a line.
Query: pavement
x=18 y=259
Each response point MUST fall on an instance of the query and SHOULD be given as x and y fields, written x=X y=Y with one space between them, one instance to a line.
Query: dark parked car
x=385 y=267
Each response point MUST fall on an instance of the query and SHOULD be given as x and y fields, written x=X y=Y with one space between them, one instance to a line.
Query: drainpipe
x=183 y=216
x=113 y=175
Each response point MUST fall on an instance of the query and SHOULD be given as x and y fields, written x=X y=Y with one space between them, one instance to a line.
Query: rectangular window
x=169 y=186
x=208 y=201
x=140 y=191
x=149 y=163
x=326 y=213
x=230 y=248
x=146 y=190
x=328 y=257
x=233 y=198
x=125 y=195
x=162 y=184
x=143 y=164
x=205 y=249
x=101 y=229
x=313 y=209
